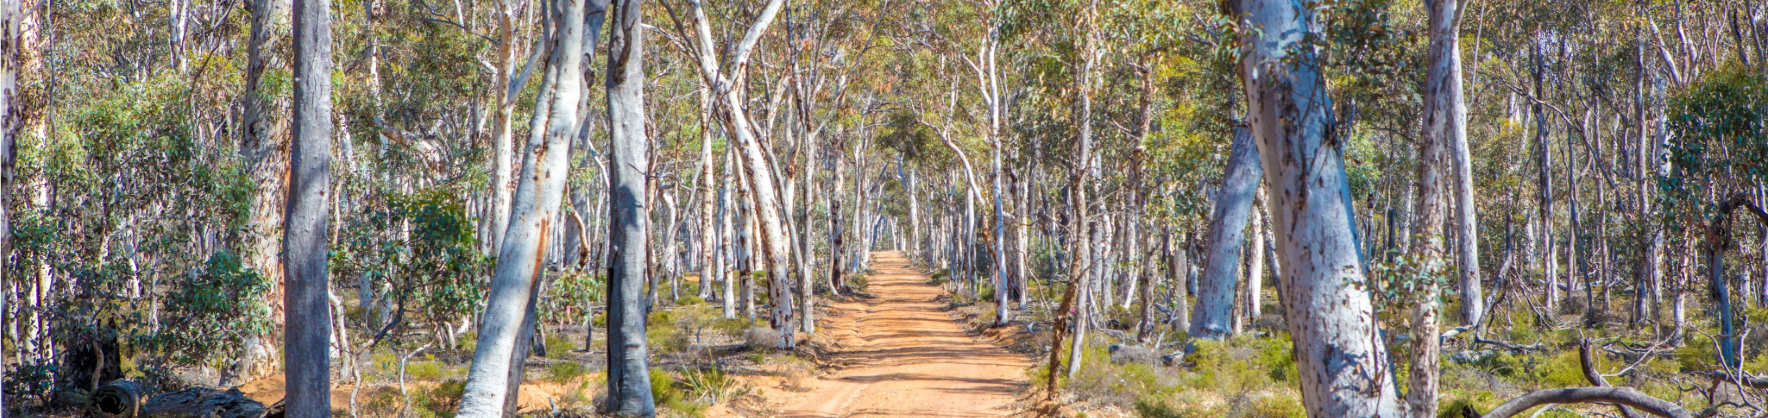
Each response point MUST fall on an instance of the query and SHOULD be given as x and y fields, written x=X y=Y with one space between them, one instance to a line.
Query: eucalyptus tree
x=306 y=344
x=1290 y=116
x=629 y=383
x=540 y=190
x=265 y=139
x=1213 y=316
x=1445 y=130
x=755 y=161
x=11 y=17
x=1446 y=113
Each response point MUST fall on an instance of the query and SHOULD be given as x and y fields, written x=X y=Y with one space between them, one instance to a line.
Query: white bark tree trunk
x=11 y=18
x=755 y=160
x=1331 y=320
x=1444 y=128
x=539 y=191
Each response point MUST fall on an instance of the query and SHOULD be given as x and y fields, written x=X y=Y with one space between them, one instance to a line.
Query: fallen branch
x=1745 y=379
x=1616 y=395
x=1508 y=346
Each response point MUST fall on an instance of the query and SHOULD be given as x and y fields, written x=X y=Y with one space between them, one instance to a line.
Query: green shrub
x=428 y=369
x=566 y=371
x=1562 y=370
x=733 y=327
x=708 y=386
x=440 y=401
x=1698 y=353
x=1277 y=407
x=558 y=343
x=1155 y=408
x=663 y=332
x=1102 y=382
x=668 y=393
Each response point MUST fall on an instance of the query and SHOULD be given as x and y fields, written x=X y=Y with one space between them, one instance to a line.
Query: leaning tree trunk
x=307 y=338
x=539 y=191
x=754 y=159
x=629 y=382
x=1330 y=319
x=1214 y=315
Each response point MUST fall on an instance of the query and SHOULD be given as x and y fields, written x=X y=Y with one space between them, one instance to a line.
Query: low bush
x=566 y=371
x=668 y=393
x=761 y=338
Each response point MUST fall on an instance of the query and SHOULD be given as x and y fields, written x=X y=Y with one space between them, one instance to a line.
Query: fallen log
x=127 y=399
x=205 y=403
x=117 y=399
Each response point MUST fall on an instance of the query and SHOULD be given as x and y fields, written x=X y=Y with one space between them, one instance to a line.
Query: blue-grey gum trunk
x=629 y=383
x=305 y=343
x=1214 y=315
x=1290 y=114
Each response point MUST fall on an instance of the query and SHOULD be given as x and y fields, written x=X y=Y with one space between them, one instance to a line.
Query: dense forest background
x=1529 y=194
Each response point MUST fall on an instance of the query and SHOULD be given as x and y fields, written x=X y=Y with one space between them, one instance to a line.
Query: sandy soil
x=901 y=355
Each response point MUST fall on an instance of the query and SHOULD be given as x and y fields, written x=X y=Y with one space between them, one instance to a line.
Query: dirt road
x=900 y=355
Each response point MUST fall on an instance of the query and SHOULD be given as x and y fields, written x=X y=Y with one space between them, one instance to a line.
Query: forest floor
x=901 y=354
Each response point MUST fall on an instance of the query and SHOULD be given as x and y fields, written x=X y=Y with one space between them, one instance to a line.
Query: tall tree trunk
x=1213 y=316
x=709 y=231
x=729 y=238
x=539 y=191
x=1082 y=267
x=266 y=150
x=1447 y=15
x=306 y=341
x=1444 y=127
x=501 y=131
x=755 y=160
x=629 y=381
x=836 y=246
x=807 y=285
x=1178 y=267
x=1341 y=360
x=11 y=56
x=1022 y=239
x=1550 y=266
x=1255 y=259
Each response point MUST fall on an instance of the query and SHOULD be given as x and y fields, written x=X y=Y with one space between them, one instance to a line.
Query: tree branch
x=1616 y=395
